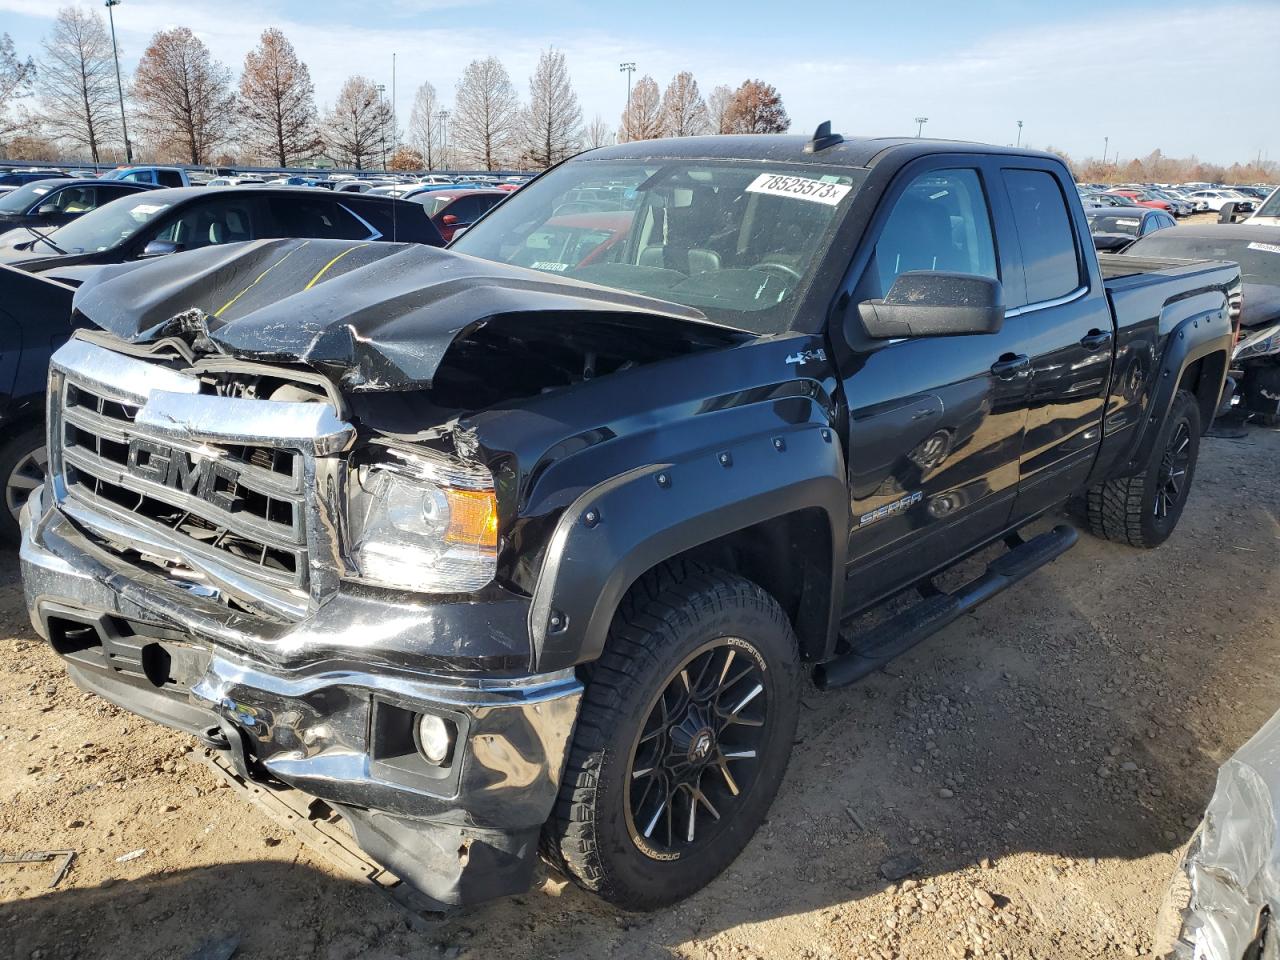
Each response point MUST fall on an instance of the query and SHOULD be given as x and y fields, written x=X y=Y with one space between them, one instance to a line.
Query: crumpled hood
x=1261 y=304
x=372 y=316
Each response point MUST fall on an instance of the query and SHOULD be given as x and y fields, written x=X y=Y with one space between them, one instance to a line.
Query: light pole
x=395 y=134
x=1106 y=145
x=1019 y=133
x=382 y=123
x=443 y=117
x=920 y=122
x=628 y=68
x=124 y=127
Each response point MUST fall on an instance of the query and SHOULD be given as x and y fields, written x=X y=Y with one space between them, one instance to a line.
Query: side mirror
x=160 y=248
x=449 y=219
x=47 y=210
x=925 y=303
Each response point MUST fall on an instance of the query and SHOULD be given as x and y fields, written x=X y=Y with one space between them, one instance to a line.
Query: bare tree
x=597 y=133
x=642 y=120
x=16 y=79
x=424 y=125
x=720 y=109
x=553 y=122
x=486 y=115
x=187 y=107
x=757 y=108
x=278 y=103
x=684 y=112
x=358 y=123
x=77 y=81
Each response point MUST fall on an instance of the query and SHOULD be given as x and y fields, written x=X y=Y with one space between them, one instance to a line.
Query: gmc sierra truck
x=529 y=543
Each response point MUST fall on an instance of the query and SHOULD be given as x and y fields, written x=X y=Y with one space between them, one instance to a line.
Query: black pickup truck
x=528 y=543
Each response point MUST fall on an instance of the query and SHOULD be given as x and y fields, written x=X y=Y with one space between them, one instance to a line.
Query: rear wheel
x=22 y=468
x=683 y=737
x=1144 y=509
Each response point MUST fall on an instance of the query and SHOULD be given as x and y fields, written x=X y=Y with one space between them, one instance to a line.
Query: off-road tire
x=672 y=612
x=1124 y=509
x=13 y=453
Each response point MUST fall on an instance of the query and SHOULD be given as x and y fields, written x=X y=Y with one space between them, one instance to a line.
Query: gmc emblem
x=175 y=468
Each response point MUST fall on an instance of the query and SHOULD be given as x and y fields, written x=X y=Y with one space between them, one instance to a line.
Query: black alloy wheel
x=698 y=750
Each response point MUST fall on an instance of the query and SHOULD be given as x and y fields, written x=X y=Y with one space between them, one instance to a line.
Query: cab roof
x=789 y=148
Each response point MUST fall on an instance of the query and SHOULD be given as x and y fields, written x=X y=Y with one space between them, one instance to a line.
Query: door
x=935 y=423
x=206 y=222
x=1064 y=320
x=68 y=203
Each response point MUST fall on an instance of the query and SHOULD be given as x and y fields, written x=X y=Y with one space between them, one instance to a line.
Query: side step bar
x=875 y=648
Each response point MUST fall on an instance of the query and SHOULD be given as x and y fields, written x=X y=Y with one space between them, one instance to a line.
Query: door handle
x=1011 y=365
x=1096 y=339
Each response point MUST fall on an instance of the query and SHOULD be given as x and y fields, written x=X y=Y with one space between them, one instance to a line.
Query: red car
x=1143 y=199
x=453 y=210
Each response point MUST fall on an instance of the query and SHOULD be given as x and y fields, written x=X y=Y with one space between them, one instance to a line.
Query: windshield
x=739 y=241
x=434 y=202
x=1272 y=207
x=109 y=224
x=1114 y=223
x=1259 y=259
x=20 y=200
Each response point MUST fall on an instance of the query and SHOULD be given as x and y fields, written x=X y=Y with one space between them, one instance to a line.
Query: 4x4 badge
x=808 y=356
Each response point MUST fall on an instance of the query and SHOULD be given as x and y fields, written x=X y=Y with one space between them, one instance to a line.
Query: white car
x=1217 y=199
x=233 y=181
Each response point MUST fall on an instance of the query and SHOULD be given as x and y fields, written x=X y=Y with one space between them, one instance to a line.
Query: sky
x=1185 y=78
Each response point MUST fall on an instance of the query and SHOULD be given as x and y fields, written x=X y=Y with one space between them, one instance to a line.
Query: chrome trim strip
x=241 y=420
x=122 y=376
x=1046 y=304
x=235 y=582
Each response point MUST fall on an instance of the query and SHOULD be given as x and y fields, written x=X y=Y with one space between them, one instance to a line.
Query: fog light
x=435 y=738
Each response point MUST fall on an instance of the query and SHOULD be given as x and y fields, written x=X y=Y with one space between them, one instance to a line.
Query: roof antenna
x=823 y=138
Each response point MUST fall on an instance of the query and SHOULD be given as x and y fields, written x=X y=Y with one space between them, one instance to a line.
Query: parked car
x=233 y=181
x=18 y=178
x=359 y=186
x=52 y=203
x=1109 y=200
x=456 y=209
x=1255 y=368
x=1143 y=198
x=1215 y=200
x=484 y=554
x=1114 y=229
x=187 y=218
x=157 y=176
x=44 y=271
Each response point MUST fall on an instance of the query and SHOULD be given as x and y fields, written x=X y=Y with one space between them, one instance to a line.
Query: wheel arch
x=772 y=508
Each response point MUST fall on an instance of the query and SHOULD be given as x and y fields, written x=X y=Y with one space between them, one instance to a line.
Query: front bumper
x=333 y=719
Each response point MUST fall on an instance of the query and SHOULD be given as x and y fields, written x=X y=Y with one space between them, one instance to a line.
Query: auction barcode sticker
x=802 y=188
x=1265 y=247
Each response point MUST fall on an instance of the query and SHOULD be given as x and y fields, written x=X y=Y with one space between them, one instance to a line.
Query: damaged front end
x=1223 y=901
x=270 y=522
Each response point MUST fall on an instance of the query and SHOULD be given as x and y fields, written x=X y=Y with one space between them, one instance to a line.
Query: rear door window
x=169 y=178
x=1050 y=260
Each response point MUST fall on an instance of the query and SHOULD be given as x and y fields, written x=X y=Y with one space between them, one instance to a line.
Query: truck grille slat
x=241 y=505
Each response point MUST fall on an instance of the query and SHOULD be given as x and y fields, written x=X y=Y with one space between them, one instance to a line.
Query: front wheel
x=23 y=461
x=1143 y=510
x=683 y=738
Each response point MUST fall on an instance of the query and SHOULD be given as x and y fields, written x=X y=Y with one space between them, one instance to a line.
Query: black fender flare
x=1196 y=337
x=615 y=531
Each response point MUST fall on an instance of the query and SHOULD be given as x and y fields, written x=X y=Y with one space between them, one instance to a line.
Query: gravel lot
x=1042 y=761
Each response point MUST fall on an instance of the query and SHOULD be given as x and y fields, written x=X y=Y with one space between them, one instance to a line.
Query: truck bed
x=1117 y=267
x=1140 y=288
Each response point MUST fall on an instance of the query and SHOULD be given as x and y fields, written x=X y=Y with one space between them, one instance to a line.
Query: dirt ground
x=1041 y=761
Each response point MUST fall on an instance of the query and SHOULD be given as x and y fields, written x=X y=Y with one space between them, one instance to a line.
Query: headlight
x=421 y=521
x=1259 y=344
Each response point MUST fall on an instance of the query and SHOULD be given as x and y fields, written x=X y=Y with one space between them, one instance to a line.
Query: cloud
x=1071 y=83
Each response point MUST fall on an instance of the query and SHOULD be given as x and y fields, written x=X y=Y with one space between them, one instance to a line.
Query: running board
x=875 y=648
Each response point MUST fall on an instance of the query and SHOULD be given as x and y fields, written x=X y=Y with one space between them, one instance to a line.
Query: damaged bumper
x=328 y=705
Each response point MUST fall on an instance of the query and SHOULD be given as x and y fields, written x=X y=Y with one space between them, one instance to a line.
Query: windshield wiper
x=45 y=237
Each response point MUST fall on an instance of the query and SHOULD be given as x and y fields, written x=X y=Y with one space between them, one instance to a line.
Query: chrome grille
x=240 y=503
x=237 y=497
